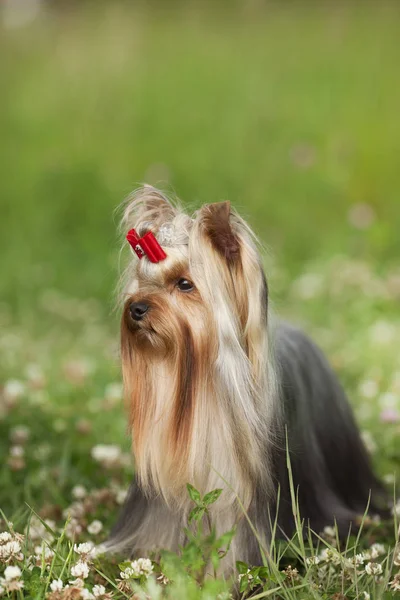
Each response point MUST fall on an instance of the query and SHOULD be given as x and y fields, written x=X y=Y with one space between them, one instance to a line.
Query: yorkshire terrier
x=219 y=395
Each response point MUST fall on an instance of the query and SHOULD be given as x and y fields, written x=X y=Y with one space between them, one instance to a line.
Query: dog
x=219 y=394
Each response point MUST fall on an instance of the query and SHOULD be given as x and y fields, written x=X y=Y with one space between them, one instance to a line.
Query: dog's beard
x=148 y=339
x=167 y=364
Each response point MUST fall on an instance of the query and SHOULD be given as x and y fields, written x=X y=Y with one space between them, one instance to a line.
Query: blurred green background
x=289 y=109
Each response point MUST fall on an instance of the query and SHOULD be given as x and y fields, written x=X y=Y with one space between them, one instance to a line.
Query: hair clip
x=146 y=245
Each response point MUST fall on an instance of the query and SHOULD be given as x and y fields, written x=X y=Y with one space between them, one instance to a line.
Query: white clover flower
x=127 y=573
x=329 y=531
x=107 y=455
x=10 y=550
x=13 y=389
x=382 y=332
x=308 y=286
x=12 y=572
x=145 y=565
x=121 y=496
x=13 y=585
x=95 y=527
x=79 y=492
x=76 y=371
x=367 y=596
x=372 y=568
x=43 y=552
x=5 y=537
x=17 y=451
x=247 y=574
x=141 y=566
x=76 y=510
x=134 y=569
x=35 y=375
x=312 y=560
x=73 y=529
x=368 y=388
x=56 y=585
x=388 y=400
x=361 y=215
x=80 y=570
x=14 y=547
x=357 y=560
x=361 y=558
x=98 y=591
x=330 y=555
x=85 y=550
x=86 y=595
x=19 y=434
x=395 y=583
x=114 y=392
x=389 y=478
x=377 y=550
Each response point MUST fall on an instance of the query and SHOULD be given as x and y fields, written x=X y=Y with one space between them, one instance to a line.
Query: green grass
x=291 y=112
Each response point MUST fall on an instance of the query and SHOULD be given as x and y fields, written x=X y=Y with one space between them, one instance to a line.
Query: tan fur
x=198 y=382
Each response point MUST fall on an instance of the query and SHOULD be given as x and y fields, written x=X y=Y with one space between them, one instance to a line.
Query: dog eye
x=185 y=285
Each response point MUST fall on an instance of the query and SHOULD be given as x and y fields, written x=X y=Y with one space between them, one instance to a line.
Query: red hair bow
x=146 y=245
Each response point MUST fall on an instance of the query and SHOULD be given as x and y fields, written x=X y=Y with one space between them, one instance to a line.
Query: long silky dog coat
x=213 y=388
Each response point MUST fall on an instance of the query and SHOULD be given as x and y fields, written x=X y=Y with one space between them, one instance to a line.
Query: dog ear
x=148 y=207
x=217 y=226
x=226 y=267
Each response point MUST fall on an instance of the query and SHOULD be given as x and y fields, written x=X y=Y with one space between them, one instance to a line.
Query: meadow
x=291 y=111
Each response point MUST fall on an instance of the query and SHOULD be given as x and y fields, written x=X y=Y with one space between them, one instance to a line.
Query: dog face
x=165 y=307
x=193 y=344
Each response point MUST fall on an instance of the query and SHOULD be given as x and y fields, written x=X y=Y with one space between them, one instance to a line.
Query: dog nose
x=138 y=310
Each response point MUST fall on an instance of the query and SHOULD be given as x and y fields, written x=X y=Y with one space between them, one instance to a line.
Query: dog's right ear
x=147 y=208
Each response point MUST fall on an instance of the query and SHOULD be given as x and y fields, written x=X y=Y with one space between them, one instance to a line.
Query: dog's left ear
x=216 y=224
x=227 y=269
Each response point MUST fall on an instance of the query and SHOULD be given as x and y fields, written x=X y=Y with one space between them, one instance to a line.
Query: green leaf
x=196 y=514
x=241 y=567
x=263 y=572
x=212 y=497
x=244 y=582
x=194 y=494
